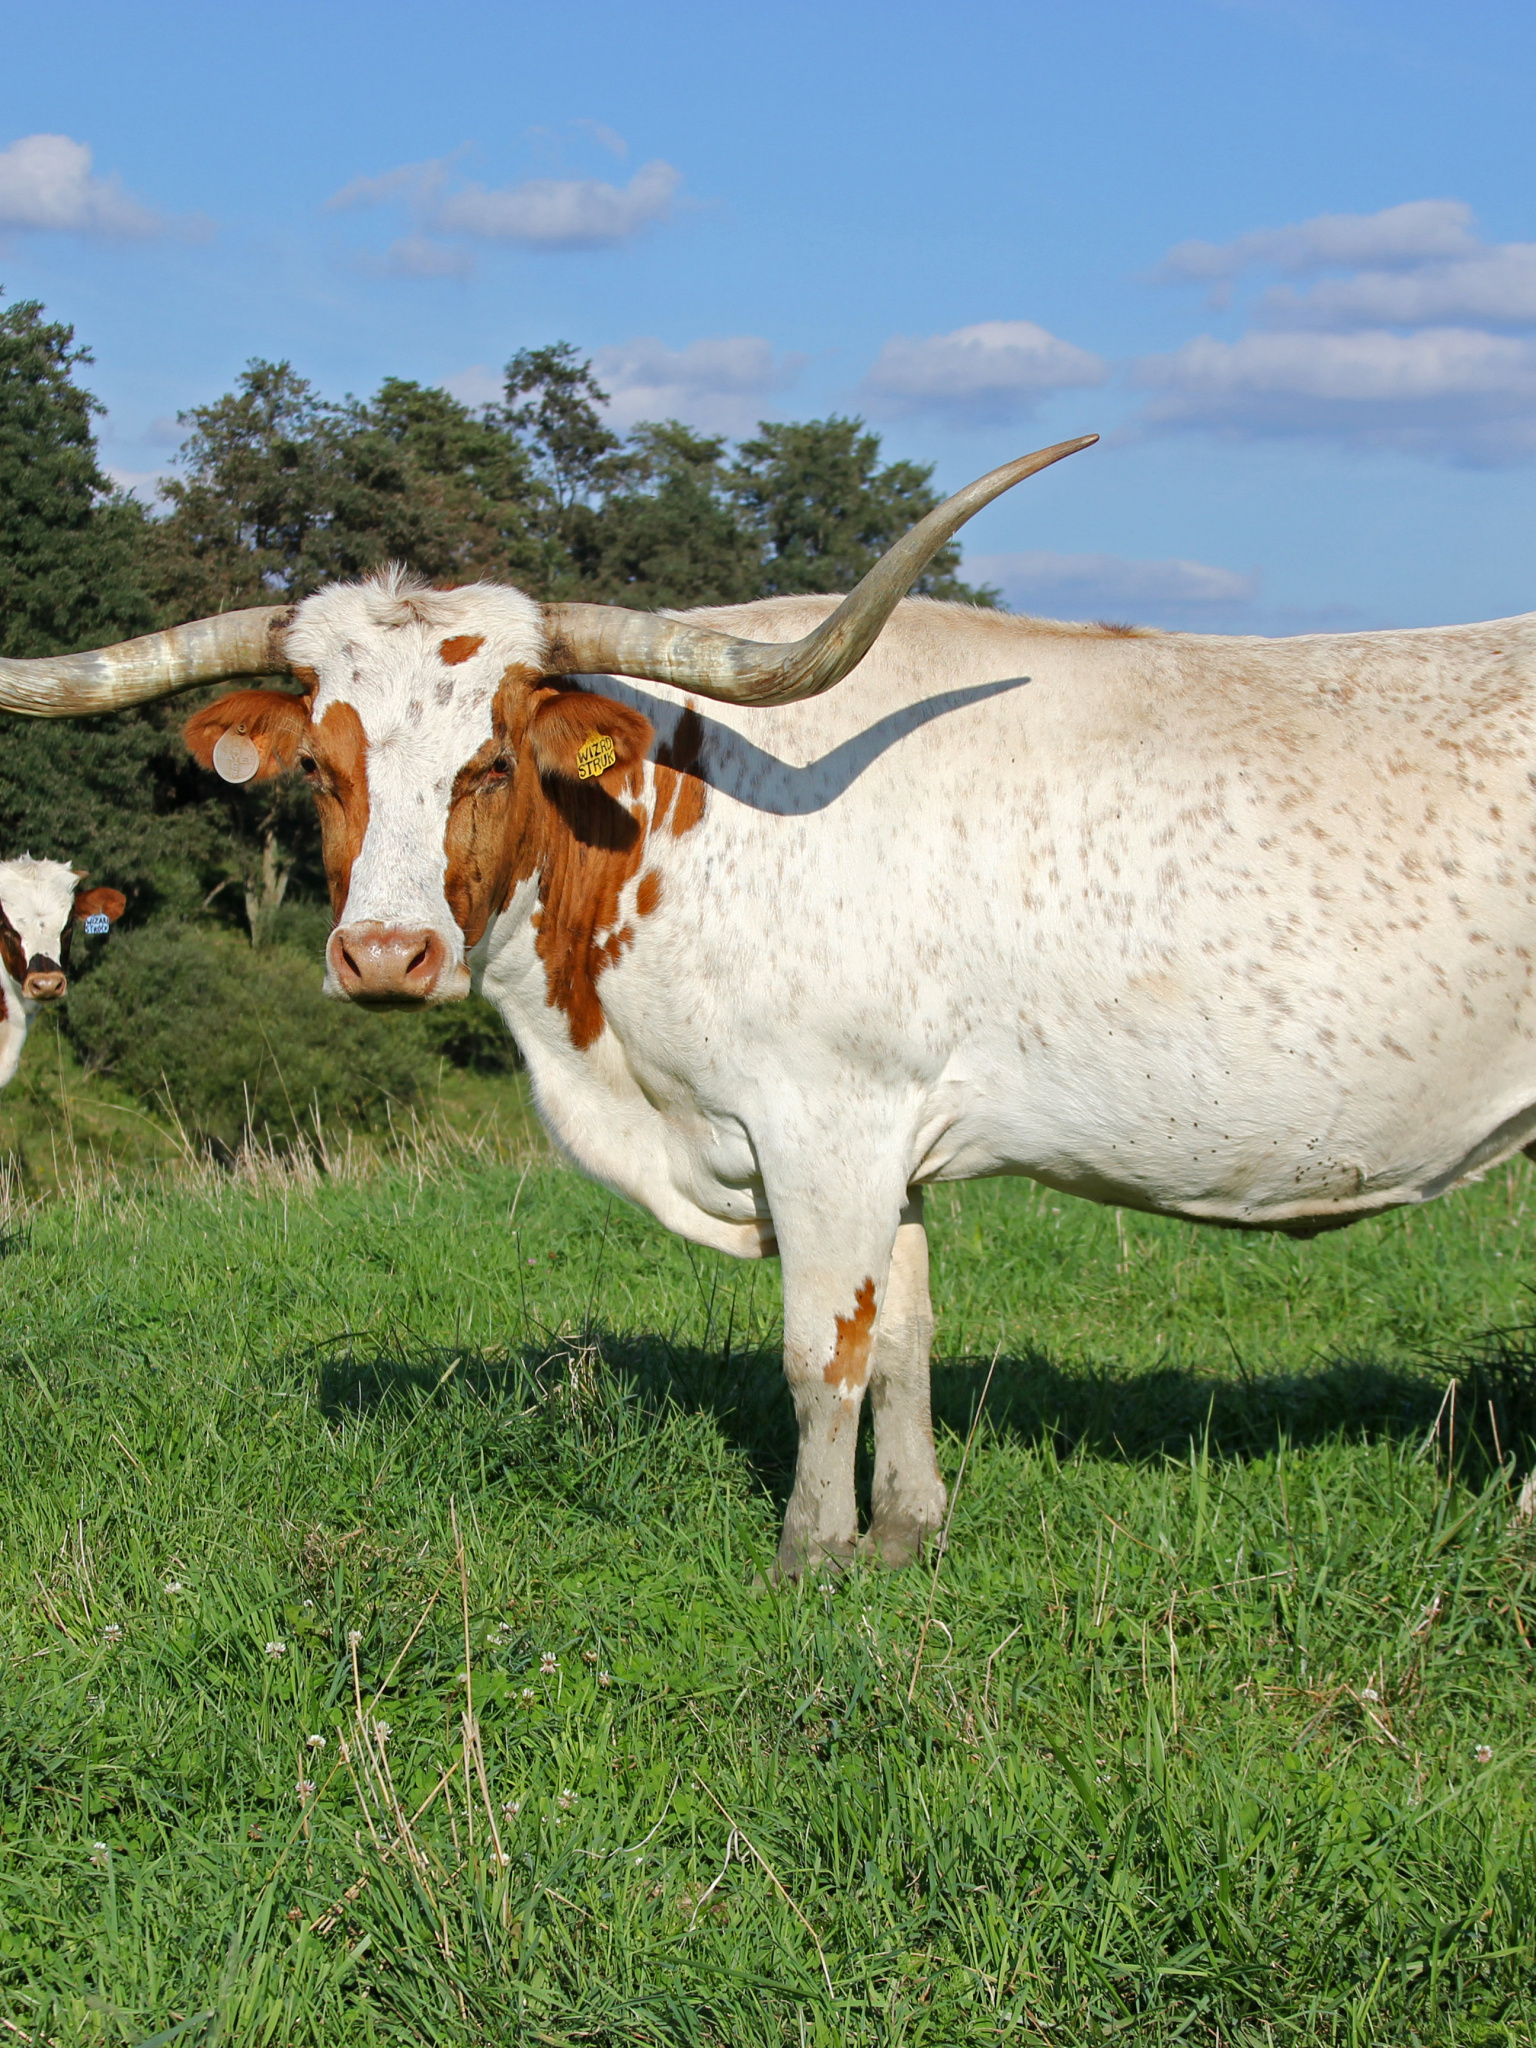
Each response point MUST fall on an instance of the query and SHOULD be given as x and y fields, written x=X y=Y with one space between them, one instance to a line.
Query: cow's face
x=431 y=739
x=39 y=909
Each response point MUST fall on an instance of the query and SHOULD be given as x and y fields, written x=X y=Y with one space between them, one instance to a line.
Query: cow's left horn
x=597 y=639
x=248 y=643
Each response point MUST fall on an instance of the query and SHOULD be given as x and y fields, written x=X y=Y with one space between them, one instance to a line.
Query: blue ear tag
x=98 y=924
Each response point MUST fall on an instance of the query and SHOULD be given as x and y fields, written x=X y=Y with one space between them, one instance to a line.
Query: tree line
x=277 y=489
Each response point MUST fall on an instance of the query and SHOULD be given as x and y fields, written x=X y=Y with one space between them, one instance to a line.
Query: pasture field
x=1221 y=1731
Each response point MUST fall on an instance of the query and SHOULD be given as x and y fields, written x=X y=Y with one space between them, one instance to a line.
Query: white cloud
x=46 y=182
x=476 y=385
x=1445 y=391
x=992 y=372
x=1497 y=285
x=607 y=138
x=1420 y=231
x=562 y=213
x=420 y=256
x=1396 y=353
x=719 y=385
x=539 y=213
x=1113 y=587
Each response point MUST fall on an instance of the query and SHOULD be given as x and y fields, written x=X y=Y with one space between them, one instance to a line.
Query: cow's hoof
x=827 y=1562
x=895 y=1540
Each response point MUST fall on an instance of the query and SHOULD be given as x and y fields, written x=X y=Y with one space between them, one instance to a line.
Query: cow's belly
x=1254 y=1129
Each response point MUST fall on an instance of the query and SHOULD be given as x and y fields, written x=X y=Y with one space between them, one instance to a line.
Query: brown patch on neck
x=459 y=648
x=584 y=841
x=12 y=952
x=849 y=1364
x=681 y=779
x=341 y=797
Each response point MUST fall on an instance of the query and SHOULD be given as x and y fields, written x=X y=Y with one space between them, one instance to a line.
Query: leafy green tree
x=69 y=546
x=111 y=794
x=421 y=479
x=824 y=510
x=552 y=407
x=668 y=532
x=248 y=515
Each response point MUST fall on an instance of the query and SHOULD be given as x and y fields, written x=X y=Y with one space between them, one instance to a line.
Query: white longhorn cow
x=1231 y=929
x=39 y=910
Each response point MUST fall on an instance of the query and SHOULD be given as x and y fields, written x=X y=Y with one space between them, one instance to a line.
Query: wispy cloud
x=47 y=184
x=719 y=385
x=989 y=373
x=538 y=213
x=1170 y=593
x=1417 y=347
x=1445 y=391
x=1495 y=287
x=1420 y=231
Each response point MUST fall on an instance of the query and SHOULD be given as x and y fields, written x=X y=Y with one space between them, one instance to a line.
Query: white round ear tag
x=235 y=757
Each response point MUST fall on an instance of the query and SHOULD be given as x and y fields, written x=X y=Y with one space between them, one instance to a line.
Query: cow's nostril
x=379 y=963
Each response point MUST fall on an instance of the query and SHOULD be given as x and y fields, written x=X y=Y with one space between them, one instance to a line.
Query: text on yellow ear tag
x=594 y=755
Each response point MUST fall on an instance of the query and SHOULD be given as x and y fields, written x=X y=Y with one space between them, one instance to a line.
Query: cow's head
x=434 y=742
x=39 y=909
x=431 y=724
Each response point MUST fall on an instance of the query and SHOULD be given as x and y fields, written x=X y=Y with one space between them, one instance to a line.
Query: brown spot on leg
x=459 y=648
x=648 y=895
x=849 y=1364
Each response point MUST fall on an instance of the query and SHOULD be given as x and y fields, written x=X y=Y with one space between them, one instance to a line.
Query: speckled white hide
x=38 y=897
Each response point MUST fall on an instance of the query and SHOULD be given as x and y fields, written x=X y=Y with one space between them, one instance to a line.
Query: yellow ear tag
x=594 y=755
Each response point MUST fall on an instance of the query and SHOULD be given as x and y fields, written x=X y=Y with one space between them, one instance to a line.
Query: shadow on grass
x=1479 y=1405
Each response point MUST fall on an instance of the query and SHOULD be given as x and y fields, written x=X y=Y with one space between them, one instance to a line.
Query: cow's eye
x=499 y=769
x=308 y=765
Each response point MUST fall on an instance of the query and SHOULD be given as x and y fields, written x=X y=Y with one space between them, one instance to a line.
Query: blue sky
x=1280 y=253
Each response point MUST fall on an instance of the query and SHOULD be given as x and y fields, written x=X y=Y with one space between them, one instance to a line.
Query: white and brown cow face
x=435 y=747
x=38 y=912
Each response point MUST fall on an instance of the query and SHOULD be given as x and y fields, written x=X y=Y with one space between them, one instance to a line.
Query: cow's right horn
x=248 y=643
x=600 y=639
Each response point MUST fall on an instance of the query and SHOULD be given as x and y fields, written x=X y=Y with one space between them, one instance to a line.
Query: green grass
x=1223 y=1627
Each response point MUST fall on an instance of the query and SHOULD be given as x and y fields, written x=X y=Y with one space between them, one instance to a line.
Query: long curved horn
x=248 y=643
x=599 y=639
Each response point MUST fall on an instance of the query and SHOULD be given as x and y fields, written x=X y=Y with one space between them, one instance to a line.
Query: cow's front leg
x=908 y=1498
x=834 y=1278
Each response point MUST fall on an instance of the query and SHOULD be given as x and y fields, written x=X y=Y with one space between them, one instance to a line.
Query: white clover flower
x=354 y=1638
x=174 y=1586
x=314 y=1742
x=277 y=1649
x=605 y=1678
x=549 y=1664
x=1370 y=1694
x=305 y=1788
x=99 y=1855
x=1482 y=1754
x=511 y=1808
x=527 y=1695
x=589 y=1656
x=382 y=1730
x=566 y=1800
x=113 y=1632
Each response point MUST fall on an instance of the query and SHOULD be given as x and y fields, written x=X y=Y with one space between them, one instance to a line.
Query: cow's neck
x=597 y=865
x=13 y=1027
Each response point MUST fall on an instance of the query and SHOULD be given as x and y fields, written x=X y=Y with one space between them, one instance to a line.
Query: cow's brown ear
x=588 y=739
x=248 y=735
x=107 y=903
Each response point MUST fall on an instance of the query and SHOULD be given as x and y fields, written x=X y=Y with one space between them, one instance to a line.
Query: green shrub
x=471 y=1034
x=189 y=1017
